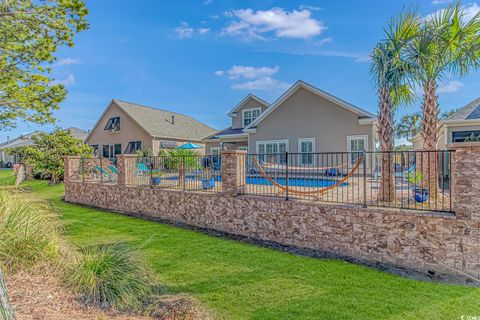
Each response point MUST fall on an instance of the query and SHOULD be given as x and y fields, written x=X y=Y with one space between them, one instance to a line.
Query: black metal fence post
x=364 y=178
x=83 y=169
x=101 y=173
x=184 y=172
x=286 y=176
x=151 y=171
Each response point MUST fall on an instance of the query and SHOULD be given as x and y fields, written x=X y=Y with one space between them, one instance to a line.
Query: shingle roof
x=78 y=133
x=158 y=122
x=469 y=112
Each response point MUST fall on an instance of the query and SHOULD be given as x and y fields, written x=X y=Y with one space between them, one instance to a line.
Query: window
x=459 y=136
x=111 y=150
x=249 y=115
x=273 y=151
x=133 y=146
x=243 y=148
x=113 y=124
x=356 y=145
x=306 y=146
x=215 y=151
x=95 y=149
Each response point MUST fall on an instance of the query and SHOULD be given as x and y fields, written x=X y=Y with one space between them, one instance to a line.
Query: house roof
x=469 y=112
x=20 y=141
x=362 y=114
x=162 y=123
x=244 y=100
x=226 y=132
x=78 y=133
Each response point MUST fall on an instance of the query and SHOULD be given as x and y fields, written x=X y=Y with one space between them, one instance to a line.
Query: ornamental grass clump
x=110 y=276
x=29 y=231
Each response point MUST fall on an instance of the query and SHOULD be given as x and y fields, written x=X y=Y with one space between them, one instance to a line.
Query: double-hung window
x=249 y=115
x=306 y=148
x=356 y=145
x=273 y=151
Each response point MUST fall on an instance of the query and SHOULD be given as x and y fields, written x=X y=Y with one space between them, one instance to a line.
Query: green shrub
x=29 y=231
x=110 y=276
x=172 y=159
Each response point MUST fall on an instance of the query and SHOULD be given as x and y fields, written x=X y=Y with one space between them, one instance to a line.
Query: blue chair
x=113 y=169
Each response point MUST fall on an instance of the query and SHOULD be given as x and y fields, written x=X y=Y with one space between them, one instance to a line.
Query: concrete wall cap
x=456 y=145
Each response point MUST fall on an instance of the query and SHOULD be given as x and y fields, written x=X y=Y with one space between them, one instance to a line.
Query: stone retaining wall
x=438 y=243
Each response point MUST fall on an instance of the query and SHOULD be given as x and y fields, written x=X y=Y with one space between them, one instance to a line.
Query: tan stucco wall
x=129 y=131
x=237 y=122
x=417 y=144
x=306 y=115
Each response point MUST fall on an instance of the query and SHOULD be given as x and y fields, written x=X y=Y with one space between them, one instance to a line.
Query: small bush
x=110 y=276
x=29 y=231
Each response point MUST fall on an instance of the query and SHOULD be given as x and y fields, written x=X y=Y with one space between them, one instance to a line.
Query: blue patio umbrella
x=189 y=145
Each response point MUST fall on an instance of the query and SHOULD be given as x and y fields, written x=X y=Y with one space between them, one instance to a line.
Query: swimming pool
x=292 y=182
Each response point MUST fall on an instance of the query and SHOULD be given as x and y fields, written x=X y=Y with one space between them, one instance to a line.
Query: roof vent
x=173 y=119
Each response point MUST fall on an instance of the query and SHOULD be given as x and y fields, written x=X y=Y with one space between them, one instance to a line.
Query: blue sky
x=201 y=57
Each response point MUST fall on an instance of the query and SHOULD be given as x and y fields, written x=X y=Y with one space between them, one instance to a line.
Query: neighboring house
x=125 y=128
x=304 y=119
x=26 y=140
x=456 y=127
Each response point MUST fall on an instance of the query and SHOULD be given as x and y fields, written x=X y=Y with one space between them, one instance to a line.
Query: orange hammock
x=321 y=191
x=283 y=167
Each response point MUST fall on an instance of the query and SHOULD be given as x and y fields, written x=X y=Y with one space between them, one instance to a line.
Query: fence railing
x=189 y=173
x=400 y=179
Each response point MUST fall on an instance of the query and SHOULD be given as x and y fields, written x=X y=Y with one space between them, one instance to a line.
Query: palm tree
x=392 y=79
x=409 y=126
x=445 y=45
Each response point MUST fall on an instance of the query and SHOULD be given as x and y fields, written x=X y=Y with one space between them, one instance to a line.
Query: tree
x=392 y=79
x=30 y=33
x=409 y=126
x=445 y=45
x=46 y=155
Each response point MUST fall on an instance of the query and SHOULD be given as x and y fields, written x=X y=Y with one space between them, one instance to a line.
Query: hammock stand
x=319 y=192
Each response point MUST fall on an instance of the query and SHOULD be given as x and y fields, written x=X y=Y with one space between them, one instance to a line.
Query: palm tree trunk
x=430 y=131
x=6 y=310
x=385 y=133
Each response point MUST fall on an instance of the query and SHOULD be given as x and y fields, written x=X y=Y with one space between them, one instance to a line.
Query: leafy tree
x=394 y=84
x=30 y=33
x=408 y=126
x=49 y=149
x=446 y=45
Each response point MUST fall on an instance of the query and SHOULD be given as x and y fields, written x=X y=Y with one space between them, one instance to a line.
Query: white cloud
x=469 y=11
x=203 y=30
x=259 y=78
x=325 y=41
x=283 y=24
x=311 y=8
x=450 y=87
x=184 y=31
x=436 y=2
x=207 y=2
x=247 y=72
x=66 y=61
x=262 y=84
x=68 y=81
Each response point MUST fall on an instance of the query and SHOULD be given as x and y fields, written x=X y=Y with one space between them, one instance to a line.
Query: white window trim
x=354 y=137
x=249 y=109
x=272 y=141
x=299 y=149
x=218 y=149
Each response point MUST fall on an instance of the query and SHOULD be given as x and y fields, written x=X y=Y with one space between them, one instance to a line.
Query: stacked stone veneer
x=443 y=243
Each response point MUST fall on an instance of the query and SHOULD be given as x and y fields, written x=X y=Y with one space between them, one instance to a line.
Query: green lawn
x=241 y=281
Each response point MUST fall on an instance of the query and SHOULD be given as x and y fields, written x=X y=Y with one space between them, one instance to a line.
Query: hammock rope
x=283 y=167
x=321 y=191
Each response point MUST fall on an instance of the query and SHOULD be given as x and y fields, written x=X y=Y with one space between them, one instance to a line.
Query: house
x=26 y=140
x=125 y=128
x=304 y=119
x=456 y=127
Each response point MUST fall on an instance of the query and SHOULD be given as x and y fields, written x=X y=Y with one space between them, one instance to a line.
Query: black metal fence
x=192 y=172
x=95 y=170
x=400 y=179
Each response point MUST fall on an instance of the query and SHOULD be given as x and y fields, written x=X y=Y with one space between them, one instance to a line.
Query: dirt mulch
x=39 y=296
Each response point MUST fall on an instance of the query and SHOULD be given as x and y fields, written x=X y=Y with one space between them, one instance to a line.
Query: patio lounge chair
x=113 y=169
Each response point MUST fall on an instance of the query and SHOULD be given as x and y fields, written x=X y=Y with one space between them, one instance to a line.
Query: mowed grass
x=240 y=281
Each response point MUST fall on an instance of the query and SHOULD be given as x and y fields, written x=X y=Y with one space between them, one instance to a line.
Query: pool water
x=292 y=182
